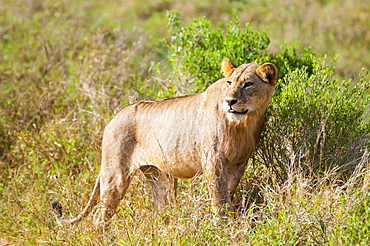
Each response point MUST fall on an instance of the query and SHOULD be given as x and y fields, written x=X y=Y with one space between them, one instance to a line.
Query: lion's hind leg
x=113 y=186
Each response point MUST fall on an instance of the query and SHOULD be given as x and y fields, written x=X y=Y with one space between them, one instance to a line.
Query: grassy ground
x=66 y=67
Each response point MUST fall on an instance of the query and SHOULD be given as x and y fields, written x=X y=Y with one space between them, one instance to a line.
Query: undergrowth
x=66 y=67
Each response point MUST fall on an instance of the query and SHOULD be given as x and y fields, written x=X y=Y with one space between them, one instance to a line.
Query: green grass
x=66 y=67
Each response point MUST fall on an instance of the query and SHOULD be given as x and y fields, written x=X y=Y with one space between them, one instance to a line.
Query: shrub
x=316 y=122
x=196 y=51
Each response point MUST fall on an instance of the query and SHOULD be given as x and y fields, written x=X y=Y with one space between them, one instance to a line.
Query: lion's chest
x=238 y=143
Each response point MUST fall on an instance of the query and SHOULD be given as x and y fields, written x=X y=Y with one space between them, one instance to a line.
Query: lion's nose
x=230 y=101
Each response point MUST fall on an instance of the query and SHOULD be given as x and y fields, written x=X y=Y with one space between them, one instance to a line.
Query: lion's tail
x=57 y=207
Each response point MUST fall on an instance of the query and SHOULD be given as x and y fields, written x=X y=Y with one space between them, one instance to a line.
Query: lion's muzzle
x=230 y=102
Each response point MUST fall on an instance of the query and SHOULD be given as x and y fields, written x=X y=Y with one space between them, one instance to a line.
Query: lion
x=211 y=133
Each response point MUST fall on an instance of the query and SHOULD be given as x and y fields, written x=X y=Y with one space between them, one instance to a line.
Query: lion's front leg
x=215 y=171
x=234 y=174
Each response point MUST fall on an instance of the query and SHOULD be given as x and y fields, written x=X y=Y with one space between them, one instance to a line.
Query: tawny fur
x=211 y=133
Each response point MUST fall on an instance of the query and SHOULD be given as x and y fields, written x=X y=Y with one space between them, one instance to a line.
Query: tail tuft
x=57 y=209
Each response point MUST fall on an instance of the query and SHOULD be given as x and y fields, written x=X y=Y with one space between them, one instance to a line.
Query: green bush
x=196 y=51
x=314 y=120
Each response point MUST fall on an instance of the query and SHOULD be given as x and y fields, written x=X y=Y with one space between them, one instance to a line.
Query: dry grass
x=67 y=66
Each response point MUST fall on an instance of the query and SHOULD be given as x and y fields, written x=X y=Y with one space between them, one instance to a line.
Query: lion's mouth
x=237 y=112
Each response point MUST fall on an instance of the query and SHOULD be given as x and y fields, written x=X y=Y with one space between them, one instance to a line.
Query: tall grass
x=66 y=67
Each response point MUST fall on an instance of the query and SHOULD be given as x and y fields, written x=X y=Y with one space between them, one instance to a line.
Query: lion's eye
x=248 y=84
x=229 y=82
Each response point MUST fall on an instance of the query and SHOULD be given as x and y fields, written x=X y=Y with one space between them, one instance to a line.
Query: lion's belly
x=178 y=163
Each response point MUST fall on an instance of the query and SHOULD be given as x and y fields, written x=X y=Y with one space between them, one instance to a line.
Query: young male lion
x=213 y=132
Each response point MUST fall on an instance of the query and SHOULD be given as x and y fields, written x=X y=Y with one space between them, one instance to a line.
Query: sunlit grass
x=66 y=67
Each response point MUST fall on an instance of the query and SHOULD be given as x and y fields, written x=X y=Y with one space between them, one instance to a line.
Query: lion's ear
x=268 y=73
x=227 y=67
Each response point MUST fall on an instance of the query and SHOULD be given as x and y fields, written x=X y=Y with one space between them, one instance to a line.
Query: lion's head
x=249 y=88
